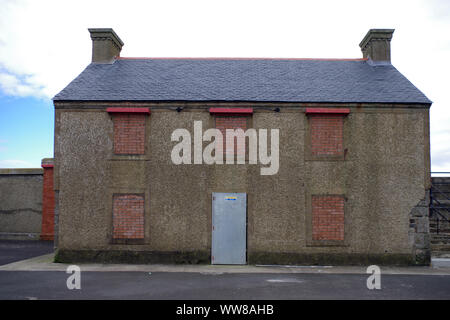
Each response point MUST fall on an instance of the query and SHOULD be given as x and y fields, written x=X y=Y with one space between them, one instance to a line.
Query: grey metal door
x=229 y=228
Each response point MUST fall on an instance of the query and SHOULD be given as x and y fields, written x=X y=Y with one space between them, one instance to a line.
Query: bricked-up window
x=327 y=131
x=129 y=130
x=232 y=122
x=129 y=133
x=326 y=134
x=128 y=216
x=232 y=118
x=328 y=217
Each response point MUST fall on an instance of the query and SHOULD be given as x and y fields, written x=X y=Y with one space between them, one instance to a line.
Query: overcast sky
x=45 y=44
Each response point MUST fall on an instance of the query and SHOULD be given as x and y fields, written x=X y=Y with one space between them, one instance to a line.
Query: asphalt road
x=166 y=285
x=203 y=286
x=16 y=250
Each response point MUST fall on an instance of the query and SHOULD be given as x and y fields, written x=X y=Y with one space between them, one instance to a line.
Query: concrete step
x=440 y=262
x=440 y=247
x=439 y=236
x=440 y=231
x=442 y=222
x=441 y=239
x=443 y=254
x=440 y=242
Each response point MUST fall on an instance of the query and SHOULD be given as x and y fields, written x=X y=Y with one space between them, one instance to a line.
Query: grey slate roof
x=277 y=80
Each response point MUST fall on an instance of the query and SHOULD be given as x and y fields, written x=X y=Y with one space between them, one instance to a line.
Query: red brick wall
x=328 y=218
x=326 y=134
x=232 y=122
x=128 y=216
x=48 y=205
x=129 y=133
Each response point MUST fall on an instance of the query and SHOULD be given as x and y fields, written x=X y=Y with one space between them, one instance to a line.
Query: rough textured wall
x=386 y=177
x=382 y=176
x=83 y=145
x=419 y=231
x=20 y=203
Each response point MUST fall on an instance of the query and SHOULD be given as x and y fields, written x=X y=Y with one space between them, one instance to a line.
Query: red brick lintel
x=327 y=110
x=231 y=111
x=128 y=110
x=47 y=166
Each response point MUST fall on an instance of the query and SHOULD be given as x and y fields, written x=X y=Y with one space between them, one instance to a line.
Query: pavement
x=16 y=250
x=26 y=273
x=45 y=263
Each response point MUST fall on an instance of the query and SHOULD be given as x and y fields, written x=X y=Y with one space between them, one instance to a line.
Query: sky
x=45 y=44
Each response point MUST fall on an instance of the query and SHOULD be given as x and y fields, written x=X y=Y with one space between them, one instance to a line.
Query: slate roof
x=276 y=80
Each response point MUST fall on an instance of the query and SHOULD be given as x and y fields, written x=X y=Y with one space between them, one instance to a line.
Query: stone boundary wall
x=21 y=203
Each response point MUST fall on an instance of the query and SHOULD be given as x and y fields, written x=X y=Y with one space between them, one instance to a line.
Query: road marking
x=284 y=280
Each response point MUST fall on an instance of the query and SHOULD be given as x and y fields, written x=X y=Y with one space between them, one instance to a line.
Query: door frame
x=246 y=226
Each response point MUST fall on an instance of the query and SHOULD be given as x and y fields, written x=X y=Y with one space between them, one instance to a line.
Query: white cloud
x=14 y=86
x=45 y=44
x=15 y=164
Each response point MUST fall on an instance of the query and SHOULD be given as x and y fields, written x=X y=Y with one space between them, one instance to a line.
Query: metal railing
x=439 y=202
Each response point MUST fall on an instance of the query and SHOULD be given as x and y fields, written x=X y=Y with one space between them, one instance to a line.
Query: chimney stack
x=106 y=45
x=376 y=45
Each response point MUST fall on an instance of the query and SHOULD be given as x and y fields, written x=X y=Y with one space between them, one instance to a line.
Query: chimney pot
x=106 y=45
x=376 y=45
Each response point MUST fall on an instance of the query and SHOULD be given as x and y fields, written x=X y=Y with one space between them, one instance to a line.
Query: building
x=350 y=187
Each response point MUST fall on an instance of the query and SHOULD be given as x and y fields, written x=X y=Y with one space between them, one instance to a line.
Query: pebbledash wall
x=375 y=182
x=20 y=203
x=352 y=185
x=27 y=203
